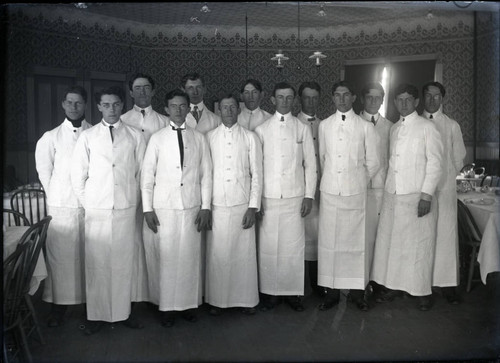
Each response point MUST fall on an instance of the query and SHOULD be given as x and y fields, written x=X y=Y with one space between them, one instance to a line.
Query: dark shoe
x=295 y=303
x=362 y=304
x=453 y=299
x=56 y=316
x=215 y=311
x=387 y=296
x=93 y=327
x=328 y=304
x=133 y=323
x=319 y=291
x=424 y=303
x=450 y=293
x=54 y=321
x=189 y=315
x=167 y=319
x=268 y=303
x=248 y=311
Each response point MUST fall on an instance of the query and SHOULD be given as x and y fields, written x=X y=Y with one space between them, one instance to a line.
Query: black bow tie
x=177 y=128
x=311 y=119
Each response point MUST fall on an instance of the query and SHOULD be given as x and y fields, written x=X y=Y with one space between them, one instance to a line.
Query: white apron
x=109 y=252
x=281 y=247
x=342 y=257
x=140 y=288
x=404 y=249
x=446 y=269
x=231 y=275
x=173 y=256
x=373 y=207
x=65 y=283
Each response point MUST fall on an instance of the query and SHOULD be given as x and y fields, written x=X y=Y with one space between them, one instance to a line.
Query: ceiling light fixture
x=429 y=15
x=280 y=57
x=205 y=8
x=318 y=56
x=81 y=5
x=321 y=12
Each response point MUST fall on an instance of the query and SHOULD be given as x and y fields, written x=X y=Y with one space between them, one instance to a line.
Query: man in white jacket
x=65 y=283
x=446 y=261
x=349 y=159
x=231 y=279
x=288 y=193
x=176 y=187
x=406 y=235
x=105 y=175
x=251 y=114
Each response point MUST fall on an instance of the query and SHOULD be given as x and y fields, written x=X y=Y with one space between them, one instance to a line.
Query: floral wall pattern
x=42 y=38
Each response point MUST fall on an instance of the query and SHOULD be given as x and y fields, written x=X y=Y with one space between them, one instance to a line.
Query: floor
x=390 y=331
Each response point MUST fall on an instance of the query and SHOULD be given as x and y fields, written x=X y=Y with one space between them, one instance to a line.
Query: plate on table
x=481 y=201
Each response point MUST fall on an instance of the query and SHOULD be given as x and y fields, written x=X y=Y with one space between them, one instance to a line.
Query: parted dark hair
x=311 y=85
x=113 y=90
x=343 y=84
x=372 y=85
x=193 y=76
x=140 y=75
x=406 y=88
x=174 y=93
x=78 y=90
x=253 y=82
x=227 y=96
x=435 y=84
x=283 y=85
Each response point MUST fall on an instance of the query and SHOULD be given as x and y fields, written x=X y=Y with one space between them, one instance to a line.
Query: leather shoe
x=453 y=299
x=93 y=327
x=387 y=296
x=362 y=305
x=328 y=304
x=295 y=303
x=167 y=319
x=248 y=311
x=319 y=291
x=188 y=315
x=268 y=303
x=133 y=323
x=215 y=311
x=424 y=303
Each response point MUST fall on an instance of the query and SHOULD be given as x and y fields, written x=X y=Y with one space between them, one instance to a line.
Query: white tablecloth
x=11 y=237
x=487 y=218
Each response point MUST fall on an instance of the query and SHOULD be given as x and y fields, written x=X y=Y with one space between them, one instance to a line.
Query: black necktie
x=282 y=118
x=343 y=117
x=196 y=114
x=143 y=115
x=431 y=116
x=311 y=119
x=373 y=120
x=111 y=132
x=181 y=144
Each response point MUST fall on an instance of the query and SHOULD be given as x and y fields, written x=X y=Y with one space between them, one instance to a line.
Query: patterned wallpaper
x=52 y=39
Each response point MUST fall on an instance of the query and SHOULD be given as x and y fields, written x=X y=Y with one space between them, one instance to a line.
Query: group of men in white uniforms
x=217 y=175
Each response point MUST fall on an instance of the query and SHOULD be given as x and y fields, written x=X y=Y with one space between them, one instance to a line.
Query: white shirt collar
x=116 y=125
x=147 y=109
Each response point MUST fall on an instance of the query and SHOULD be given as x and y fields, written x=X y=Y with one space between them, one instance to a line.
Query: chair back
x=13 y=218
x=31 y=202
x=468 y=230
x=19 y=268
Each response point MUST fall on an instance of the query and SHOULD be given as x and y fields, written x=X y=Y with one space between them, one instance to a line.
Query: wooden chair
x=31 y=202
x=20 y=319
x=13 y=218
x=469 y=236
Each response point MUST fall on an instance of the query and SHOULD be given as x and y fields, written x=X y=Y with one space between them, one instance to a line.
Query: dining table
x=11 y=237
x=484 y=207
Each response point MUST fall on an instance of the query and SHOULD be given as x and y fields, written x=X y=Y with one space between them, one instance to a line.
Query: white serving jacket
x=349 y=160
x=251 y=119
x=289 y=161
x=311 y=220
x=416 y=153
x=231 y=272
x=446 y=262
x=164 y=184
x=237 y=166
x=65 y=282
x=53 y=156
x=208 y=120
x=106 y=174
x=148 y=124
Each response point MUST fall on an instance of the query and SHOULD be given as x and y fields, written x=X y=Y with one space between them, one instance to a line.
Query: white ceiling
x=275 y=14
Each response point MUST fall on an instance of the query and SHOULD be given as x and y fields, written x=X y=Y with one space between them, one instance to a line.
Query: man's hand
x=249 y=218
x=307 y=204
x=204 y=220
x=152 y=221
x=424 y=207
x=259 y=215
